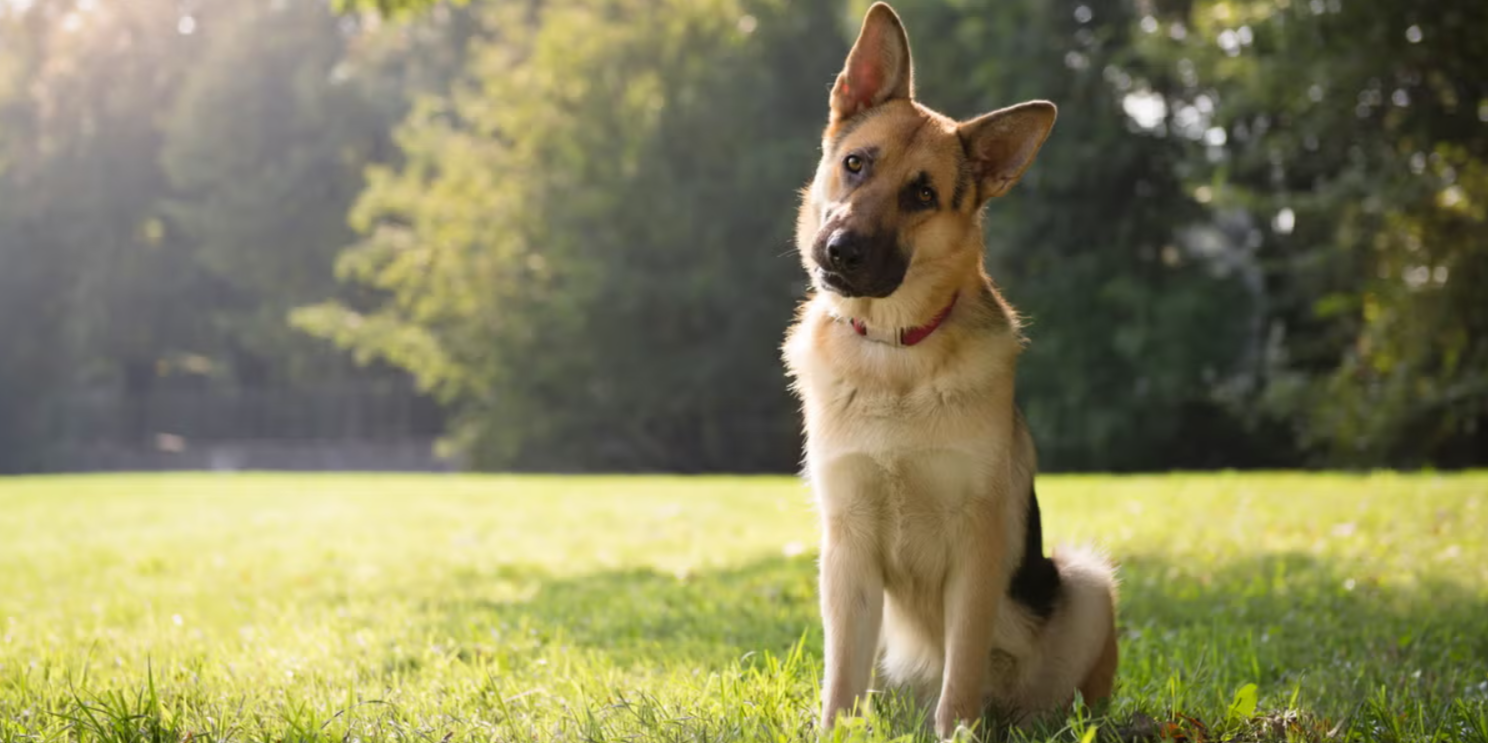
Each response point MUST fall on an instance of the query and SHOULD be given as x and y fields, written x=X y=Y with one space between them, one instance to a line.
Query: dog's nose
x=844 y=251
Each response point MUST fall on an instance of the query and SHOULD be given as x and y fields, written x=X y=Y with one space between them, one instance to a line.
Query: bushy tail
x=1090 y=572
x=1078 y=645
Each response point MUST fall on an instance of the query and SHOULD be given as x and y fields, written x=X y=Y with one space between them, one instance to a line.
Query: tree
x=264 y=149
x=172 y=181
x=1254 y=238
x=587 y=252
x=1353 y=135
x=97 y=280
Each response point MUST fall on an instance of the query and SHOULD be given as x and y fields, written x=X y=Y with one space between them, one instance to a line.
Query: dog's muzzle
x=856 y=265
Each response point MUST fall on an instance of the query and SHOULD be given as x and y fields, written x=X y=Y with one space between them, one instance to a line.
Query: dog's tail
x=1078 y=644
x=1091 y=577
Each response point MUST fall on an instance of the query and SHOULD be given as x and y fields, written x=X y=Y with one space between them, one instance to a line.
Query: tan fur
x=919 y=462
x=1101 y=680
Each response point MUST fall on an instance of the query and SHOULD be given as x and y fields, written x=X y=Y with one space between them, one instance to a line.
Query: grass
x=351 y=609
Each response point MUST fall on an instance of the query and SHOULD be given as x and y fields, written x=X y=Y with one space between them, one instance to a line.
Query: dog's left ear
x=878 y=68
x=1002 y=144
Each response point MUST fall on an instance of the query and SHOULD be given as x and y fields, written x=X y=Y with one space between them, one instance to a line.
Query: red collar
x=905 y=336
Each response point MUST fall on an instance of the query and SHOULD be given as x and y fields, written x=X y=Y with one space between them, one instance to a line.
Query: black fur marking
x=963 y=180
x=909 y=197
x=1036 y=581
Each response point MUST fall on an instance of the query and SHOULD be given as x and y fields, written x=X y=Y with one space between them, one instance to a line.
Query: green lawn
x=350 y=609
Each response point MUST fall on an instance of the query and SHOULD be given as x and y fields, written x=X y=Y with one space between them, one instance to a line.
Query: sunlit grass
x=359 y=608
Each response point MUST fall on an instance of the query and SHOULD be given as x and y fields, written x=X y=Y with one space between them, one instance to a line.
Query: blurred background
x=556 y=234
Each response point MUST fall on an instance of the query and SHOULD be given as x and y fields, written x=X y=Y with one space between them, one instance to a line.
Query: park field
x=358 y=608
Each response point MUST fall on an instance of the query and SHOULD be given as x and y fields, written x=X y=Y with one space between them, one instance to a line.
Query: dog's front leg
x=852 y=614
x=971 y=604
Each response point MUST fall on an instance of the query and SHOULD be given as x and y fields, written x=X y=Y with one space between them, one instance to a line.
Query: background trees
x=588 y=250
x=1353 y=134
x=1253 y=240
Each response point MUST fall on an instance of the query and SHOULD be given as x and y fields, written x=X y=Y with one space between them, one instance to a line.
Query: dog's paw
x=954 y=725
x=960 y=732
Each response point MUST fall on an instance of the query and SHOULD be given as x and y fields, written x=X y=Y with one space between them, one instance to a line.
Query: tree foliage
x=588 y=252
x=264 y=144
x=1254 y=238
x=1353 y=134
x=172 y=183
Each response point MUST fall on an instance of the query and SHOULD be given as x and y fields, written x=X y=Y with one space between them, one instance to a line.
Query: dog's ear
x=878 y=68
x=1002 y=144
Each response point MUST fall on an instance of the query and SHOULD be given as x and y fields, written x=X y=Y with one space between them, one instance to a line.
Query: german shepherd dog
x=932 y=561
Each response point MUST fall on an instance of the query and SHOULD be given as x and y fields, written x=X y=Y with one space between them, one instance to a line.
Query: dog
x=903 y=358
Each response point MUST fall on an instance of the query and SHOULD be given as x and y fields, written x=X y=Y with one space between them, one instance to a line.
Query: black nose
x=844 y=251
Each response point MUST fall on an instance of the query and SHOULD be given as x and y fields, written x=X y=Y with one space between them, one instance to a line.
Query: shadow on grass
x=1280 y=620
x=652 y=618
x=1391 y=659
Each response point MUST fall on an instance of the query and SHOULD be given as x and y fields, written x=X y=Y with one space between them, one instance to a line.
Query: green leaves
x=598 y=257
x=1243 y=706
x=392 y=8
x=580 y=232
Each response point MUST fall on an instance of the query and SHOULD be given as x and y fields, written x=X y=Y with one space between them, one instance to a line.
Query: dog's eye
x=926 y=195
x=853 y=163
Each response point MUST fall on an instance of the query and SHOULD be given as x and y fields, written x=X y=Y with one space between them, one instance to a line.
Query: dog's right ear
x=878 y=68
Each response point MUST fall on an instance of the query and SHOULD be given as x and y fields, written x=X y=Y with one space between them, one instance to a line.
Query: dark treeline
x=1254 y=238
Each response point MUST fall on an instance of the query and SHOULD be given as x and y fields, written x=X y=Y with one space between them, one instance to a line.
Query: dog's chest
x=901 y=426
x=903 y=471
x=924 y=508
x=904 y=447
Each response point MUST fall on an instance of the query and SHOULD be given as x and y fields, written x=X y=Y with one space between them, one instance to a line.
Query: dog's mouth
x=835 y=282
x=840 y=284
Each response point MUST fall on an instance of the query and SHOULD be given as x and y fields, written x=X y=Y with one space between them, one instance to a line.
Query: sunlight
x=72 y=18
x=1146 y=108
x=21 y=6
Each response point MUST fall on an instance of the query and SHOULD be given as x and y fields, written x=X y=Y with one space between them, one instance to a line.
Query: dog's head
x=900 y=188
